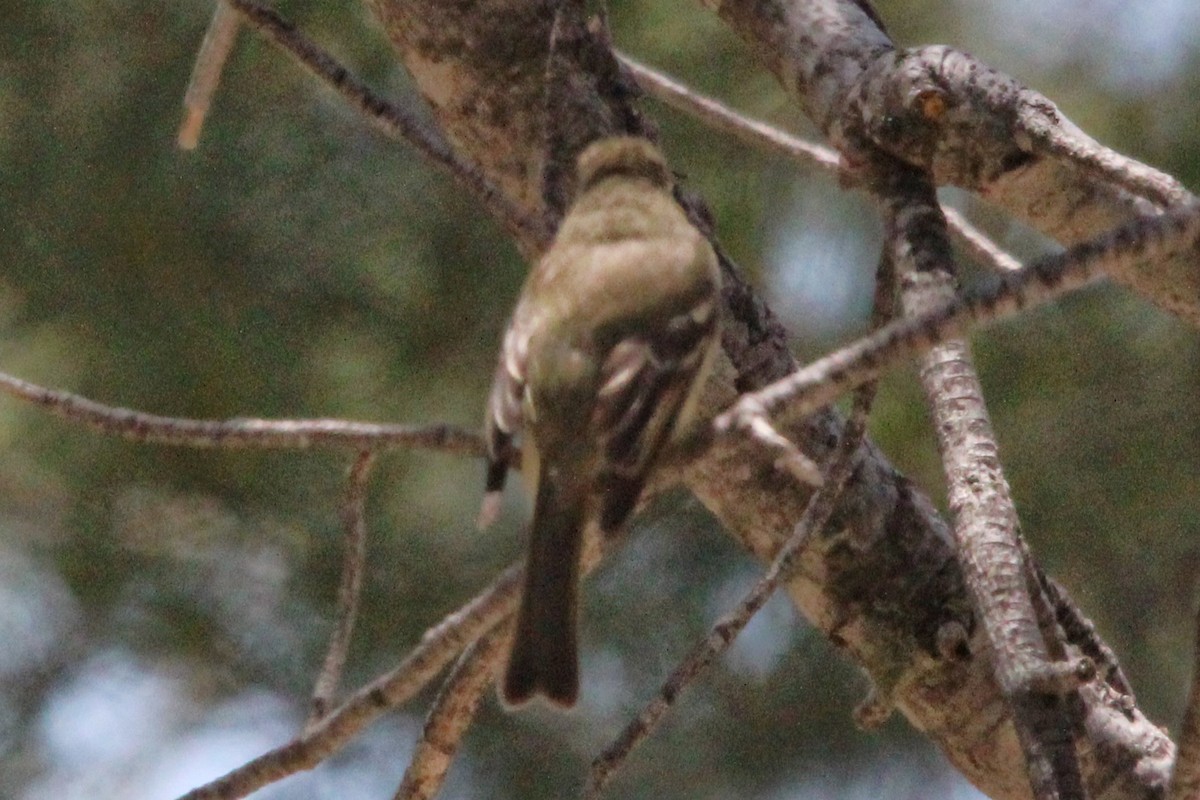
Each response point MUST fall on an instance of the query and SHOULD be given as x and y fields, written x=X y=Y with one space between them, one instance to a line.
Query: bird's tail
x=545 y=658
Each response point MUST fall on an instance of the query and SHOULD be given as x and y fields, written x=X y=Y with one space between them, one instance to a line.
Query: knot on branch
x=874 y=710
x=938 y=109
x=953 y=642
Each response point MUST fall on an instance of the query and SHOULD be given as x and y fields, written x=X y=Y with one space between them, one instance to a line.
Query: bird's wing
x=503 y=418
x=646 y=382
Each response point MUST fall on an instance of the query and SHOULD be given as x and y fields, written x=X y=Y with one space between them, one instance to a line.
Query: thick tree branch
x=986 y=528
x=971 y=125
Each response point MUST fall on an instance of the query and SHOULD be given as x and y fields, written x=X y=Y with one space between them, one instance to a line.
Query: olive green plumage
x=608 y=344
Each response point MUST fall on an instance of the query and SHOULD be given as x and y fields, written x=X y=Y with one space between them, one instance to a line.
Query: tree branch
x=354 y=527
x=971 y=125
x=824 y=380
x=985 y=520
x=438 y=647
x=451 y=715
x=298 y=434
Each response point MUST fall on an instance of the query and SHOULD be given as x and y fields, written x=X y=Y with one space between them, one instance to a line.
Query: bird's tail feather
x=545 y=659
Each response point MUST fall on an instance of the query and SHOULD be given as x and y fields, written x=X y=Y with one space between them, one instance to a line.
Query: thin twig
x=790 y=459
x=438 y=646
x=354 y=530
x=451 y=715
x=393 y=120
x=721 y=117
x=816 y=514
x=821 y=382
x=206 y=74
x=299 y=434
x=771 y=139
x=978 y=245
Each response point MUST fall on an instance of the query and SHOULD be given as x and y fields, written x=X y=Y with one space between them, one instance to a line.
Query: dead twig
x=438 y=646
x=354 y=529
x=206 y=74
x=297 y=434
x=822 y=381
x=451 y=715
x=394 y=120
x=724 y=119
x=977 y=245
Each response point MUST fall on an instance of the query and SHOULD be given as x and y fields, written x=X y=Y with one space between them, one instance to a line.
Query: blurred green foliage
x=299 y=265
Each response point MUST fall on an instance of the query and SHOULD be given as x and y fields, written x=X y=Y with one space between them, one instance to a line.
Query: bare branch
x=725 y=630
x=301 y=434
x=451 y=715
x=790 y=459
x=985 y=519
x=721 y=117
x=438 y=646
x=931 y=106
x=1055 y=134
x=824 y=380
x=977 y=245
x=395 y=121
x=354 y=528
x=770 y=139
x=206 y=74
x=971 y=125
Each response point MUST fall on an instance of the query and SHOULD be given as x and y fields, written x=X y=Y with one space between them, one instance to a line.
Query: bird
x=600 y=367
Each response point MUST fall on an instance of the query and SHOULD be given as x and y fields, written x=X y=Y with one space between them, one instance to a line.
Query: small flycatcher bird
x=609 y=343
